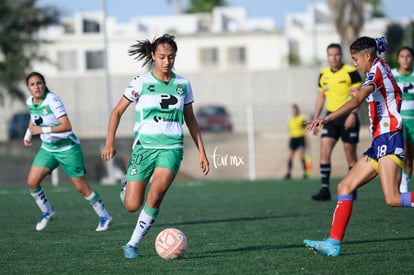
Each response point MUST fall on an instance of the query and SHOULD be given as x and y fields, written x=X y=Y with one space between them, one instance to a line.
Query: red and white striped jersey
x=384 y=103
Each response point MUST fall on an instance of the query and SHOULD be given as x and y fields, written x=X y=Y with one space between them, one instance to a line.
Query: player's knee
x=131 y=207
x=33 y=182
x=32 y=185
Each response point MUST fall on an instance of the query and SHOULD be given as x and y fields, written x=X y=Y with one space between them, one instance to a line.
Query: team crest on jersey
x=44 y=111
x=133 y=171
x=180 y=89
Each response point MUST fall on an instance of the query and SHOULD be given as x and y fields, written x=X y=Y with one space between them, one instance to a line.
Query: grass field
x=233 y=227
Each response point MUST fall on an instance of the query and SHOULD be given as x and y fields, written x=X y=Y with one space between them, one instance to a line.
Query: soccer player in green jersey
x=60 y=146
x=404 y=75
x=163 y=102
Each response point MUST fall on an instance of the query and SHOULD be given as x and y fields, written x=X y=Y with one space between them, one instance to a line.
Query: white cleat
x=104 y=223
x=44 y=220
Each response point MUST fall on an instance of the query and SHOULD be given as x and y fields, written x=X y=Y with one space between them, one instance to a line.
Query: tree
x=348 y=16
x=394 y=34
x=20 y=21
x=196 y=6
x=408 y=38
x=376 y=8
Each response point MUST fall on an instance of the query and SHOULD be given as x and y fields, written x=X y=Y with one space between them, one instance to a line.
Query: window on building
x=237 y=56
x=209 y=57
x=68 y=27
x=90 y=26
x=67 y=60
x=94 y=60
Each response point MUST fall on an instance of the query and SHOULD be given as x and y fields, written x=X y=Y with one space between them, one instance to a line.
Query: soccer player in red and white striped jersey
x=386 y=154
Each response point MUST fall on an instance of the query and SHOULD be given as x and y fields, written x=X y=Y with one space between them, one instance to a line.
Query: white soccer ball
x=171 y=243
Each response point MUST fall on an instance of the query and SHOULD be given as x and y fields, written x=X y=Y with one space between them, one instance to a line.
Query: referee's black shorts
x=335 y=129
x=297 y=143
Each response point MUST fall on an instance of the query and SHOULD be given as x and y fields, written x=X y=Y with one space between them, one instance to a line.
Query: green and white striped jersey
x=46 y=114
x=406 y=84
x=159 y=109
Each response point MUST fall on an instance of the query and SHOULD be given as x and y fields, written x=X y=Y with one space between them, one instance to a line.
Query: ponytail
x=144 y=49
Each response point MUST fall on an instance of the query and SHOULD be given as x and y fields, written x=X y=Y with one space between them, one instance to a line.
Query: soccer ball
x=171 y=243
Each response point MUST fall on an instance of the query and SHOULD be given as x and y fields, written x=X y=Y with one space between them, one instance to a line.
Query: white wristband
x=28 y=135
x=46 y=130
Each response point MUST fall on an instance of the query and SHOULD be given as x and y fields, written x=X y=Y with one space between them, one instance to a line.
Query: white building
x=223 y=41
x=229 y=58
x=309 y=33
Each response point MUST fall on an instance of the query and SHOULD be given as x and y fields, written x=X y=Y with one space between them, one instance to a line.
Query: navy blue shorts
x=387 y=144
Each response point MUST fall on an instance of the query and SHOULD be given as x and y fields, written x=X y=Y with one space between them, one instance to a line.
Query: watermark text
x=222 y=160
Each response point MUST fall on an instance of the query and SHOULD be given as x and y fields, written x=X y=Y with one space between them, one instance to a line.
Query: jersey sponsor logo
x=151 y=88
x=378 y=106
x=167 y=100
x=158 y=119
x=38 y=120
x=408 y=88
x=370 y=77
x=399 y=151
x=61 y=109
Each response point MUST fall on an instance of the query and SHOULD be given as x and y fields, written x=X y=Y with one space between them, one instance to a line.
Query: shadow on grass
x=377 y=241
x=221 y=252
x=248 y=219
x=216 y=253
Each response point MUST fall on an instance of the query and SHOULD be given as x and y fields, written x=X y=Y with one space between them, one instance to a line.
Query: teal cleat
x=130 y=252
x=329 y=247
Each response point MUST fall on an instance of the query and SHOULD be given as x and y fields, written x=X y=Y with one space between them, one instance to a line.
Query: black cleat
x=323 y=195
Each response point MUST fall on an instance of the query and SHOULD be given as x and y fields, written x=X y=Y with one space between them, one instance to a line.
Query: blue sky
x=124 y=9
